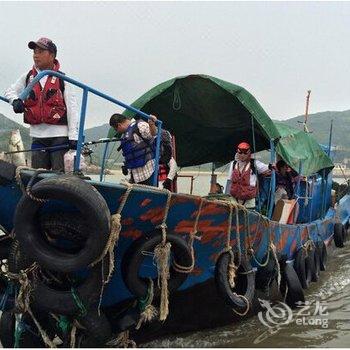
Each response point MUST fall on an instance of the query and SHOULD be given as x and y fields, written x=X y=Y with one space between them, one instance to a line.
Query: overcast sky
x=275 y=50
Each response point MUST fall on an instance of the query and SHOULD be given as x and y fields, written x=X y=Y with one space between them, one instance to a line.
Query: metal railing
x=86 y=89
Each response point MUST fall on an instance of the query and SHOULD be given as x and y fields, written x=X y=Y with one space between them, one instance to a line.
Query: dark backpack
x=166 y=147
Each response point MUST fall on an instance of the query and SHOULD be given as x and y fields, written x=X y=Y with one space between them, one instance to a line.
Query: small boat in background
x=109 y=261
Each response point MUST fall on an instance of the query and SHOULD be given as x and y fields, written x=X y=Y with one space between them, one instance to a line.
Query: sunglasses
x=240 y=151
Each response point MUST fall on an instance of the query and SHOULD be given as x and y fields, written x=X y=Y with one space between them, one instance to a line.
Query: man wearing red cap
x=50 y=109
x=244 y=176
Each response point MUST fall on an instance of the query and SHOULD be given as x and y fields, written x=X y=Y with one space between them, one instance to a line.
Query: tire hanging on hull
x=291 y=287
x=92 y=208
x=134 y=256
x=240 y=297
x=339 y=235
x=302 y=266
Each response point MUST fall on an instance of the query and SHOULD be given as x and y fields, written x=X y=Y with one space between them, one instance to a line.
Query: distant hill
x=318 y=124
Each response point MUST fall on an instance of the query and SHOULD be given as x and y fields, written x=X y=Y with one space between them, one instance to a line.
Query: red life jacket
x=240 y=183
x=45 y=105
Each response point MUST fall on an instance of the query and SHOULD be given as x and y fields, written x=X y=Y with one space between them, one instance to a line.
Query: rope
x=149 y=312
x=247 y=303
x=73 y=334
x=23 y=298
x=162 y=256
x=122 y=341
x=111 y=243
x=18 y=330
x=79 y=303
x=232 y=270
x=251 y=250
x=27 y=191
x=189 y=269
x=43 y=334
x=274 y=254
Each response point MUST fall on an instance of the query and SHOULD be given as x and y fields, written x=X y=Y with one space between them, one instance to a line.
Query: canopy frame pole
x=307 y=111
x=258 y=208
x=324 y=176
x=297 y=190
x=273 y=179
x=103 y=162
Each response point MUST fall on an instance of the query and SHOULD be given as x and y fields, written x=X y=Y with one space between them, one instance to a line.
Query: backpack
x=166 y=147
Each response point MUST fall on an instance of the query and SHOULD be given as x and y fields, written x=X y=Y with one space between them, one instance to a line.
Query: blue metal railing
x=86 y=89
x=273 y=180
x=4 y=99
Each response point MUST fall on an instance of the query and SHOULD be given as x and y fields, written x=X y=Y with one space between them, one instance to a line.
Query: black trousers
x=49 y=159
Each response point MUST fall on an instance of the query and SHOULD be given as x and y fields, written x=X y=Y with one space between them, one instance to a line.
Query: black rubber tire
x=338 y=235
x=92 y=208
x=28 y=339
x=302 y=266
x=315 y=264
x=245 y=282
x=345 y=233
x=46 y=298
x=17 y=260
x=265 y=274
x=69 y=226
x=134 y=256
x=97 y=330
x=290 y=279
x=5 y=244
x=322 y=252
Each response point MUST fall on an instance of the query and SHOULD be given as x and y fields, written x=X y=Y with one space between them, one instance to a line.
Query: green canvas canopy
x=295 y=147
x=208 y=116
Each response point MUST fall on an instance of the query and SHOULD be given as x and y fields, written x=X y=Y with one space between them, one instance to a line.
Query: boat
x=94 y=263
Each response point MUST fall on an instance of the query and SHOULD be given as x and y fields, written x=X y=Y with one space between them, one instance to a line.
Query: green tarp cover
x=208 y=116
x=296 y=146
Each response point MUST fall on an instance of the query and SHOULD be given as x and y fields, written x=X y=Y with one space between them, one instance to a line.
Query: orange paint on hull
x=127 y=221
x=134 y=234
x=145 y=202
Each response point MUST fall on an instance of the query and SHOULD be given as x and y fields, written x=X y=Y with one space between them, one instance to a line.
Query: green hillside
x=319 y=125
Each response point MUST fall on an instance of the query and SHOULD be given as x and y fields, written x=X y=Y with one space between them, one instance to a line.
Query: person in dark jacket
x=284 y=181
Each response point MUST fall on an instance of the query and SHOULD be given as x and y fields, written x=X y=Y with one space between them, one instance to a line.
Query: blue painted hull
x=144 y=211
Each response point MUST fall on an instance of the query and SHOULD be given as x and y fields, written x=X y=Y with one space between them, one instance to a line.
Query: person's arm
x=145 y=131
x=15 y=89
x=172 y=169
x=262 y=168
x=152 y=125
x=72 y=112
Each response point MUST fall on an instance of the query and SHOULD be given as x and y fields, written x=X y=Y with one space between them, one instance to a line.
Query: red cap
x=244 y=146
